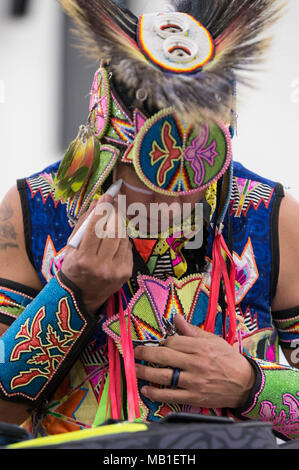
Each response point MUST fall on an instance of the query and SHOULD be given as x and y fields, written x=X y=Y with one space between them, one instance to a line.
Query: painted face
x=142 y=201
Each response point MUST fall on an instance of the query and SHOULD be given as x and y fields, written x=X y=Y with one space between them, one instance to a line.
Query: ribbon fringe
x=129 y=364
x=219 y=273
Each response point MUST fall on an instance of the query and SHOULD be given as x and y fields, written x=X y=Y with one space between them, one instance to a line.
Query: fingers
x=92 y=237
x=160 y=376
x=124 y=253
x=186 y=329
x=184 y=344
x=115 y=244
x=102 y=225
x=168 y=395
x=82 y=219
x=162 y=356
x=105 y=230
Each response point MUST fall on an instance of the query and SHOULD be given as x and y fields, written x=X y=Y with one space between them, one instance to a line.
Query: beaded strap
x=44 y=342
x=14 y=298
x=287 y=325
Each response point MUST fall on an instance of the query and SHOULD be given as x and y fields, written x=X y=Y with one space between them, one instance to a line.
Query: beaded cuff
x=43 y=343
x=14 y=298
x=274 y=398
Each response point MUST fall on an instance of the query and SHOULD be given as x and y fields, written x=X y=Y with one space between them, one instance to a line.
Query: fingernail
x=104 y=198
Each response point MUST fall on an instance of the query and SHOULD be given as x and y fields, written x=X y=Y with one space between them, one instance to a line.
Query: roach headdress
x=234 y=28
x=163 y=90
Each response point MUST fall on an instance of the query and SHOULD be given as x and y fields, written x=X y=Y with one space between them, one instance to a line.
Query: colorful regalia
x=164 y=82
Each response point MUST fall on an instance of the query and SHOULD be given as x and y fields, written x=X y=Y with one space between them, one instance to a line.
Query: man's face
x=135 y=191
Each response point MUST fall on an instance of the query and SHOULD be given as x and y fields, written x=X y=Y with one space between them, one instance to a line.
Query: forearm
x=40 y=347
x=274 y=398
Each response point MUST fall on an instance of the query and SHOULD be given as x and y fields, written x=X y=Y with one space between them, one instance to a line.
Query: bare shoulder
x=14 y=266
x=287 y=294
x=14 y=262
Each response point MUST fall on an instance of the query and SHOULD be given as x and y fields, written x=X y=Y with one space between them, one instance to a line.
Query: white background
x=29 y=77
x=30 y=55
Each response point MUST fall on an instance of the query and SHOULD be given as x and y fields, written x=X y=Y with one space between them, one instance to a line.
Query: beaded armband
x=274 y=398
x=14 y=298
x=43 y=343
x=287 y=325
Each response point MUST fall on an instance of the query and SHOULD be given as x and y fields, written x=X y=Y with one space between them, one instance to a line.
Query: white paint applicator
x=77 y=238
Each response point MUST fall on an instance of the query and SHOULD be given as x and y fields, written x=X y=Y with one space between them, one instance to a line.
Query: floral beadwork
x=173 y=160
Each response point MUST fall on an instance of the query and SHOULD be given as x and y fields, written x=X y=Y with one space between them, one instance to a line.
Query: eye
x=180 y=49
x=171 y=24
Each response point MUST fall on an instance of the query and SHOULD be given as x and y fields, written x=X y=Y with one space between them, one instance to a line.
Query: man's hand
x=100 y=265
x=213 y=373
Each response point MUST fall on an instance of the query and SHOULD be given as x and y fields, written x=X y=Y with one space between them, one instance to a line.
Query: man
x=160 y=123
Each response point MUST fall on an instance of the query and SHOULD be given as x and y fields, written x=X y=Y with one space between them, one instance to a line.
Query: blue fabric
x=256 y=225
x=47 y=217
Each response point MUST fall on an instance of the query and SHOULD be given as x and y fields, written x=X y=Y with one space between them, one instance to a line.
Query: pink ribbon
x=219 y=271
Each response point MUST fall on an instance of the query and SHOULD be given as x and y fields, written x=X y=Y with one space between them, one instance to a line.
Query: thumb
x=185 y=329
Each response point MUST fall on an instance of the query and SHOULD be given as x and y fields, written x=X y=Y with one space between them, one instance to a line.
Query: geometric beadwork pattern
x=247 y=193
x=157 y=302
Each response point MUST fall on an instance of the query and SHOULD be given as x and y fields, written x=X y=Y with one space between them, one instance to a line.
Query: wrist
x=249 y=396
x=90 y=305
x=248 y=382
x=93 y=308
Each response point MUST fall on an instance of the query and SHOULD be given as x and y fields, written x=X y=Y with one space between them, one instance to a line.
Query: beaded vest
x=251 y=231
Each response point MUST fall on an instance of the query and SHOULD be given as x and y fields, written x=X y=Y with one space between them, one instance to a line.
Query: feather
x=105 y=28
x=76 y=165
x=236 y=27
